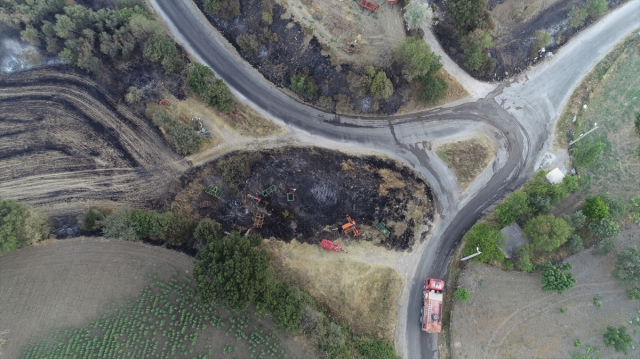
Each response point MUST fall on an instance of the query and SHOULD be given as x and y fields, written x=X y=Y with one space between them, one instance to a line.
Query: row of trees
x=20 y=226
x=473 y=23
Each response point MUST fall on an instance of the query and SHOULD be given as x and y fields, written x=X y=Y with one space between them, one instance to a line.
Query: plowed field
x=64 y=140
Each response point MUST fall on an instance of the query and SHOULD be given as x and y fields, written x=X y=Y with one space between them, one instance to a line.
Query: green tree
x=587 y=154
x=185 y=139
x=595 y=209
x=434 y=88
x=229 y=8
x=540 y=204
x=20 y=225
x=555 y=280
x=618 y=338
x=636 y=122
x=249 y=44
x=416 y=58
x=570 y=183
x=31 y=35
x=596 y=8
x=119 y=224
x=133 y=95
x=575 y=243
x=381 y=86
x=577 y=15
x=208 y=230
x=547 y=232
x=627 y=267
x=417 y=15
x=302 y=85
x=233 y=271
x=462 y=295
x=64 y=27
x=576 y=220
x=542 y=39
x=466 y=13
x=211 y=7
x=524 y=258
x=616 y=205
x=487 y=239
x=604 y=246
x=474 y=46
x=513 y=208
x=158 y=47
x=202 y=81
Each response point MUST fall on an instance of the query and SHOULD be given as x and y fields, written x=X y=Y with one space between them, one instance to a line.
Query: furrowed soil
x=67 y=284
x=515 y=25
x=306 y=36
x=467 y=157
x=509 y=316
x=68 y=143
x=328 y=186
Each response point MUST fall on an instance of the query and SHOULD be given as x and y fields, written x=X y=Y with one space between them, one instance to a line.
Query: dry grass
x=357 y=293
x=391 y=180
x=249 y=122
x=467 y=158
x=454 y=92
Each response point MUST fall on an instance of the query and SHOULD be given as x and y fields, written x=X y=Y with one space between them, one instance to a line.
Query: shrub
x=547 y=232
x=474 y=46
x=508 y=264
x=375 y=348
x=119 y=225
x=233 y=271
x=202 y=81
x=20 y=225
x=434 y=88
x=92 y=219
x=636 y=122
x=576 y=220
x=381 y=86
x=211 y=7
x=302 y=85
x=604 y=246
x=462 y=295
x=616 y=205
x=185 y=139
x=627 y=267
x=575 y=243
x=570 y=183
x=417 y=15
x=487 y=239
x=596 y=8
x=466 y=13
x=607 y=228
x=542 y=39
x=133 y=95
x=595 y=209
x=267 y=17
x=618 y=338
x=577 y=15
x=229 y=8
x=513 y=208
x=524 y=258
x=158 y=47
x=586 y=155
x=633 y=293
x=597 y=301
x=249 y=44
x=416 y=58
x=235 y=169
x=555 y=280
x=540 y=204
x=207 y=230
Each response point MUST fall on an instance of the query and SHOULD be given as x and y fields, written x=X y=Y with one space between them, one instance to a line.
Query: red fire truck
x=431 y=312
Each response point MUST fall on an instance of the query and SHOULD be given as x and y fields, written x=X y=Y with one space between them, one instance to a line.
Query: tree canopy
x=619 y=338
x=585 y=155
x=595 y=209
x=211 y=90
x=466 y=13
x=513 y=208
x=607 y=228
x=627 y=267
x=555 y=280
x=547 y=232
x=20 y=225
x=232 y=270
x=488 y=239
x=417 y=15
x=416 y=58
x=302 y=85
x=474 y=46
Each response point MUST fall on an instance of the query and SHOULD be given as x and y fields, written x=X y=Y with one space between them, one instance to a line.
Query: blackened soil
x=328 y=186
x=513 y=52
x=279 y=60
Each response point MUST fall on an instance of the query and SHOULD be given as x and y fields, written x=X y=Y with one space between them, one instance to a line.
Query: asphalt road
x=519 y=115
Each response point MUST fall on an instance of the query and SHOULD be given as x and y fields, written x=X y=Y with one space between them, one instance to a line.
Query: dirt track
x=65 y=141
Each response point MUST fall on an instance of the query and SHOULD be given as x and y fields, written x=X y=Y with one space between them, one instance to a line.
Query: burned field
x=328 y=185
x=284 y=47
x=65 y=140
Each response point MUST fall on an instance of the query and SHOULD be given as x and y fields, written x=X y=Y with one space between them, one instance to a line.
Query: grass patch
x=467 y=158
x=390 y=180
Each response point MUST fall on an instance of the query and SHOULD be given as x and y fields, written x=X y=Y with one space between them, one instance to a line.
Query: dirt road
x=66 y=142
x=519 y=116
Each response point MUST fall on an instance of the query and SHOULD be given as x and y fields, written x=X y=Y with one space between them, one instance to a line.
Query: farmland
x=84 y=296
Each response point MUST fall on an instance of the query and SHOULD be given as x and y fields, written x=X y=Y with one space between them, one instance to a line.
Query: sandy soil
x=67 y=143
x=510 y=316
x=339 y=23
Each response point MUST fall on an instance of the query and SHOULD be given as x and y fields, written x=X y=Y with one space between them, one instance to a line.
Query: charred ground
x=328 y=186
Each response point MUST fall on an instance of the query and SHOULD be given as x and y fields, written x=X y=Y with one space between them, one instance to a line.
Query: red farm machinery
x=367 y=5
x=331 y=246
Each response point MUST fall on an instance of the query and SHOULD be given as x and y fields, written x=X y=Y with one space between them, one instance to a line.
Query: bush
x=570 y=183
x=577 y=15
x=575 y=243
x=633 y=293
x=474 y=46
x=540 y=204
x=92 y=219
x=576 y=220
x=636 y=122
x=607 y=228
x=542 y=39
x=214 y=92
x=185 y=139
x=616 y=205
x=627 y=267
x=466 y=13
x=133 y=225
x=417 y=15
x=462 y=295
x=555 y=280
x=586 y=155
x=604 y=246
x=119 y=225
x=508 y=264
x=267 y=17
x=595 y=209
x=524 y=258
x=547 y=232
x=513 y=208
x=381 y=86
x=207 y=230
x=133 y=95
x=158 y=47
x=487 y=239
x=375 y=348
x=20 y=225
x=233 y=271
x=618 y=338
x=249 y=44
x=211 y=7
x=302 y=85
x=434 y=88
x=229 y=8
x=235 y=169
x=416 y=58
x=596 y=8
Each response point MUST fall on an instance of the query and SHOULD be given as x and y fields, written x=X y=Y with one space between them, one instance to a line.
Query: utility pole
x=595 y=126
x=473 y=255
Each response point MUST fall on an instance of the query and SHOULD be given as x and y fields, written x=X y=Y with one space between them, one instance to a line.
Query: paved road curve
x=520 y=117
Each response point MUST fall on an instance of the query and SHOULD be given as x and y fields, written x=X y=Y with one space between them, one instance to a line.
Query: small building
x=555 y=176
x=515 y=239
